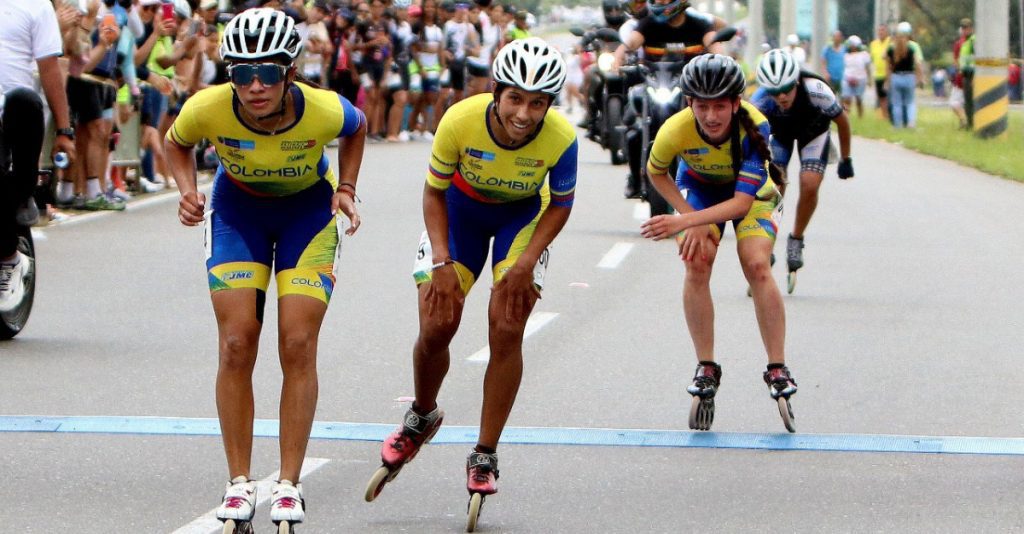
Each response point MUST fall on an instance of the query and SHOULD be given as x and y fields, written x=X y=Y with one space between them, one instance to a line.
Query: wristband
x=351 y=191
x=441 y=265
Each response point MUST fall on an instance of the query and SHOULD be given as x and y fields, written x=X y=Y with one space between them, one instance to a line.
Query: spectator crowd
x=131 y=64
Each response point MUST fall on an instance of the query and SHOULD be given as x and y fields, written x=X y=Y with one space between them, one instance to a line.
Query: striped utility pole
x=755 y=32
x=991 y=57
x=787 y=20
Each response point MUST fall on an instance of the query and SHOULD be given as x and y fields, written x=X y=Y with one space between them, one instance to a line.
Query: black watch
x=67 y=132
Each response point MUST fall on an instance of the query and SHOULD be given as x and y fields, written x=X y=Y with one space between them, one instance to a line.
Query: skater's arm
x=843 y=124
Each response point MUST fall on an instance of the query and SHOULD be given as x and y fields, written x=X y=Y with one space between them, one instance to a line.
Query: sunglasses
x=780 y=90
x=245 y=73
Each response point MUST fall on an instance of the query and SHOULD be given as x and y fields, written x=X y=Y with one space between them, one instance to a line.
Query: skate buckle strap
x=235 y=502
x=483 y=463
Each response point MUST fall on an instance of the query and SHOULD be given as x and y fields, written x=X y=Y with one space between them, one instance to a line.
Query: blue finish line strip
x=538 y=435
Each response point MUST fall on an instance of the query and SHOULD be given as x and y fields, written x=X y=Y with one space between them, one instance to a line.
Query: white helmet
x=792 y=39
x=777 y=69
x=261 y=33
x=531 y=65
x=854 y=42
x=904 y=28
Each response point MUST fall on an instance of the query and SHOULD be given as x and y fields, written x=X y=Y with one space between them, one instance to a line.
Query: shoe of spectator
x=150 y=186
x=28 y=213
x=78 y=202
x=403 y=136
x=391 y=138
x=427 y=136
x=104 y=203
x=119 y=194
x=12 y=281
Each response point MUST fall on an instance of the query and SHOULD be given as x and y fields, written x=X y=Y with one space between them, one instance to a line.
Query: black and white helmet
x=261 y=33
x=531 y=65
x=711 y=76
x=777 y=69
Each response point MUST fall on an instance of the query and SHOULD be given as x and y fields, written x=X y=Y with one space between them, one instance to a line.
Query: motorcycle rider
x=670 y=31
x=614 y=17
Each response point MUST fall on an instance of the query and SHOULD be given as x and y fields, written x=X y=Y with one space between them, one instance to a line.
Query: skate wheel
x=791 y=282
x=239 y=527
x=476 y=501
x=377 y=482
x=702 y=413
x=284 y=527
x=786 y=411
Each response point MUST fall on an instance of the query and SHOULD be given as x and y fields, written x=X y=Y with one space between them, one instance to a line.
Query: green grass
x=937 y=135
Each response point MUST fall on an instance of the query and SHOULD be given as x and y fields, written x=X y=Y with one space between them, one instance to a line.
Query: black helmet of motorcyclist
x=613 y=14
x=712 y=76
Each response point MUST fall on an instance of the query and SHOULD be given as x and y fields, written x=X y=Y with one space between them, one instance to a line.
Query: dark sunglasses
x=269 y=73
x=780 y=90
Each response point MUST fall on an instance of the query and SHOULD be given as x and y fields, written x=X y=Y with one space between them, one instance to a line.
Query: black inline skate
x=781 y=386
x=705 y=384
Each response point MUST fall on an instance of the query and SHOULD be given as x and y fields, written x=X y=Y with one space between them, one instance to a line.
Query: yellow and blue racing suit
x=499 y=192
x=271 y=202
x=707 y=174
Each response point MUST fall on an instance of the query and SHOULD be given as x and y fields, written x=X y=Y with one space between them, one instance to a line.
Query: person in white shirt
x=30 y=39
x=794 y=48
x=856 y=73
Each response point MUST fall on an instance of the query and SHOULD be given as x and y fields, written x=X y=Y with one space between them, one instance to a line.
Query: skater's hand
x=845 y=169
x=698 y=241
x=444 y=292
x=344 y=202
x=663 y=226
x=518 y=291
x=191 y=208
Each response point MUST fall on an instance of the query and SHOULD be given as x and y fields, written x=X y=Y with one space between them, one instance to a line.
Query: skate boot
x=705 y=384
x=287 y=507
x=794 y=259
x=481 y=481
x=781 y=386
x=402 y=446
x=238 y=507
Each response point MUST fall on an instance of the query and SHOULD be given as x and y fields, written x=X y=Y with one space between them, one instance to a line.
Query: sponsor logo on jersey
x=481 y=154
x=307 y=282
x=296 y=157
x=292 y=146
x=527 y=162
x=240 y=144
x=237 y=275
x=241 y=171
x=697 y=151
x=527 y=174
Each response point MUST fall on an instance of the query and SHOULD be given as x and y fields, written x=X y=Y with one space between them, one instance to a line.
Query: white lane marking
x=614 y=257
x=533 y=324
x=208 y=522
x=38 y=235
x=641 y=211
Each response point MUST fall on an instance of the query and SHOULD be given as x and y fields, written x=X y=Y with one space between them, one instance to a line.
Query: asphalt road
x=907 y=321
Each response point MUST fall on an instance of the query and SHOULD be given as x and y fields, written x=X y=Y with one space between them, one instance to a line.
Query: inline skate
x=705 y=384
x=402 y=446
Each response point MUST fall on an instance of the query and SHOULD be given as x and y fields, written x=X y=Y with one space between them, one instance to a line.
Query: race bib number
x=208 y=234
x=424 y=256
x=340 y=227
x=541 y=268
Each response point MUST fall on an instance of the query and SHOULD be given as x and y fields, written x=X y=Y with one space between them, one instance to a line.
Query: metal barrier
x=126 y=153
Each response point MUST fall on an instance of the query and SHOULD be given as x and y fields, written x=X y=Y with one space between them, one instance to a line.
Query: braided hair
x=760 y=145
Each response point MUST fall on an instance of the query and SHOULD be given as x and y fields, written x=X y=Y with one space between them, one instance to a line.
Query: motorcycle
x=656 y=98
x=606 y=97
x=12 y=322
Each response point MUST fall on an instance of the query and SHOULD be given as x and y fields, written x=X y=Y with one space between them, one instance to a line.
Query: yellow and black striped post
x=991 y=100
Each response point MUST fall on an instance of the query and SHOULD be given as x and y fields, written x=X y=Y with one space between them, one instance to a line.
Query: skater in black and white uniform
x=801 y=108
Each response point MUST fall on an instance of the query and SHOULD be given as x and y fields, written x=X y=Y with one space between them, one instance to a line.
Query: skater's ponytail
x=760 y=145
